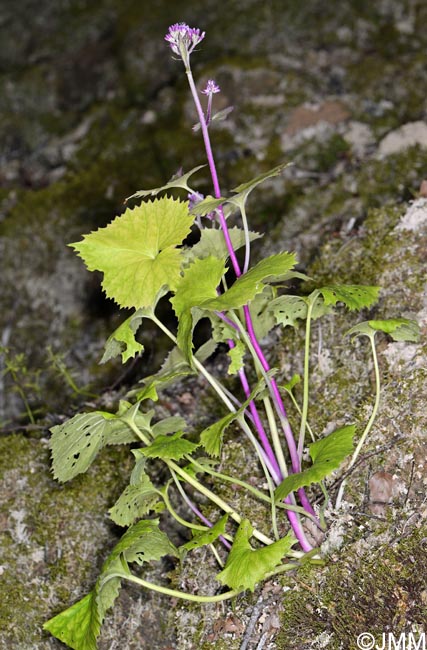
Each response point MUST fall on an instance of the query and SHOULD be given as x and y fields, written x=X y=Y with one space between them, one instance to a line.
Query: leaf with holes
x=289 y=309
x=354 y=296
x=137 y=500
x=76 y=443
x=137 y=252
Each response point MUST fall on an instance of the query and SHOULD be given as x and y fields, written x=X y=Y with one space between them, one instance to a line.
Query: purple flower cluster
x=183 y=39
x=211 y=88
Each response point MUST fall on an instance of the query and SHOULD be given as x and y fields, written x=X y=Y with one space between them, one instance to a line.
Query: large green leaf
x=137 y=252
x=245 y=566
x=76 y=442
x=198 y=283
x=327 y=455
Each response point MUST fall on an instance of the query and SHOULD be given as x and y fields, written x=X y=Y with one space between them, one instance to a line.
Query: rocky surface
x=93 y=108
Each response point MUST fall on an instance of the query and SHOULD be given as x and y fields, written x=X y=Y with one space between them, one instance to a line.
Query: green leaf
x=222 y=115
x=175 y=182
x=212 y=242
x=142 y=542
x=139 y=498
x=138 y=251
x=208 y=205
x=169 y=447
x=135 y=501
x=168 y=425
x=262 y=317
x=211 y=437
x=245 y=188
x=174 y=367
x=216 y=117
x=245 y=288
x=354 y=296
x=75 y=443
x=122 y=340
x=288 y=309
x=236 y=355
x=78 y=626
x=208 y=536
x=245 y=566
x=198 y=283
x=295 y=380
x=400 y=329
x=327 y=455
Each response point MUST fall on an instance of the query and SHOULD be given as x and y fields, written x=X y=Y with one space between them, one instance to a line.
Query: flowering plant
x=144 y=256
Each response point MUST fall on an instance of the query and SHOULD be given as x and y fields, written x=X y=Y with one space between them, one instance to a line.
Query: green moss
x=54 y=537
x=375 y=591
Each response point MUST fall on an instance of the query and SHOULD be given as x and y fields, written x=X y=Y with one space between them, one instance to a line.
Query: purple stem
x=293 y=518
x=202 y=517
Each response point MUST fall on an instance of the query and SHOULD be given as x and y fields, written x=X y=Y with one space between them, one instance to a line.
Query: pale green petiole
x=371 y=420
x=172 y=592
x=164 y=494
x=304 y=411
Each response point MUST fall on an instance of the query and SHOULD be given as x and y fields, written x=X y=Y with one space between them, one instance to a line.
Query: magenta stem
x=293 y=518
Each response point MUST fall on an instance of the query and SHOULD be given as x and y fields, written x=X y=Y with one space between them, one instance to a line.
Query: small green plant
x=144 y=257
x=24 y=383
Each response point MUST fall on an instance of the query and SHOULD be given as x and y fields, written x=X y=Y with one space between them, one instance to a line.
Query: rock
x=361 y=139
x=415 y=218
x=313 y=121
x=407 y=135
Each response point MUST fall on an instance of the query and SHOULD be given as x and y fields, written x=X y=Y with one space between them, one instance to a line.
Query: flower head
x=193 y=199
x=183 y=39
x=211 y=88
